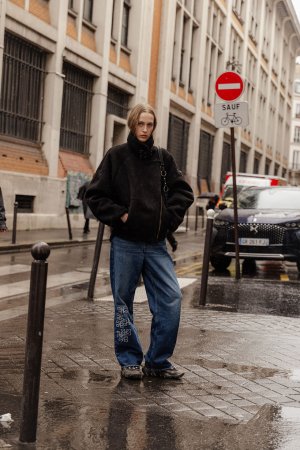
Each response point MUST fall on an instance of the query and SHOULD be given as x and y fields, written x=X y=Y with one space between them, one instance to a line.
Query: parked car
x=244 y=180
x=268 y=227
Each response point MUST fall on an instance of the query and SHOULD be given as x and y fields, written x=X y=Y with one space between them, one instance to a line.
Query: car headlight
x=220 y=223
x=292 y=225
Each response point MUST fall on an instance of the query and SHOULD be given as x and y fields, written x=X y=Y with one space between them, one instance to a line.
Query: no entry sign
x=229 y=86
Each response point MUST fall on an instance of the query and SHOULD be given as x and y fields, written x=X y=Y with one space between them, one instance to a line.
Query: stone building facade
x=71 y=70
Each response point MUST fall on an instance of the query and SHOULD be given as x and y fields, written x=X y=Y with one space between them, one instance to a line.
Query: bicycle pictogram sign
x=231 y=118
x=231 y=114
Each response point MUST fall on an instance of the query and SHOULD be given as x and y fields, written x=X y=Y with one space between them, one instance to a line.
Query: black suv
x=268 y=227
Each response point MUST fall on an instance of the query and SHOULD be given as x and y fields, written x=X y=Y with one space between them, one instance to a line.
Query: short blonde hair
x=135 y=113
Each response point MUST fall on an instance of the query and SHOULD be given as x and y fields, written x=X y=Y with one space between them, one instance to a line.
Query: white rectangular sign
x=233 y=114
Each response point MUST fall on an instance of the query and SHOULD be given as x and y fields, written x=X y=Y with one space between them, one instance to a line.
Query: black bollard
x=95 y=262
x=69 y=224
x=187 y=221
x=206 y=254
x=34 y=342
x=14 y=230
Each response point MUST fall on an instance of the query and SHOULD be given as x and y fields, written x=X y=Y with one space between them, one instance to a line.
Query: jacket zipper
x=160 y=213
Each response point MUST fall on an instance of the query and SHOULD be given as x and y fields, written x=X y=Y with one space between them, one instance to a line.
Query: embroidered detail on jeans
x=123 y=322
x=122 y=335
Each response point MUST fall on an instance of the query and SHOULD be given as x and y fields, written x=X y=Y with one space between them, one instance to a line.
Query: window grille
x=117 y=102
x=76 y=109
x=88 y=10
x=22 y=89
x=25 y=203
x=178 y=140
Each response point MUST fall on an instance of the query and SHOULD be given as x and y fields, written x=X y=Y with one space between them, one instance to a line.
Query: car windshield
x=269 y=199
x=228 y=191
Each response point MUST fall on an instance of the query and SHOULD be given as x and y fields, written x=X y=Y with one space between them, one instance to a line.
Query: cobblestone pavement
x=241 y=388
x=239 y=367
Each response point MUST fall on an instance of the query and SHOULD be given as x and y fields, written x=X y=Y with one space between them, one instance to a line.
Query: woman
x=125 y=194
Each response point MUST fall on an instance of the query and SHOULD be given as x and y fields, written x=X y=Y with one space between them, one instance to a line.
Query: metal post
x=14 y=230
x=206 y=255
x=69 y=224
x=196 y=218
x=236 y=235
x=187 y=221
x=34 y=342
x=95 y=262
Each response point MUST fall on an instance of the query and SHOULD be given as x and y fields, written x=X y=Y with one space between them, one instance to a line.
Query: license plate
x=253 y=241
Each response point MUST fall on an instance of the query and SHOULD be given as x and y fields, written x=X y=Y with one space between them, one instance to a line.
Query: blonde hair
x=135 y=113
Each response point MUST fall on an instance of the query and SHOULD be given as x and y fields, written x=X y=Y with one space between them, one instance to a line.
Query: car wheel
x=220 y=262
x=249 y=265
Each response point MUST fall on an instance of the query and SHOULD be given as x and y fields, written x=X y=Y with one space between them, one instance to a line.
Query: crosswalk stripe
x=140 y=293
x=22 y=287
x=16 y=268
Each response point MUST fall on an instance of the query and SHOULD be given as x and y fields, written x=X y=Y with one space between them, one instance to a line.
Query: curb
x=17 y=248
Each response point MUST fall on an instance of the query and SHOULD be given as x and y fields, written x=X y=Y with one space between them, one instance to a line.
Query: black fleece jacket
x=126 y=181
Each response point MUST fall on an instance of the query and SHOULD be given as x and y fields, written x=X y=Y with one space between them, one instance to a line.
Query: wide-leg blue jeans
x=128 y=261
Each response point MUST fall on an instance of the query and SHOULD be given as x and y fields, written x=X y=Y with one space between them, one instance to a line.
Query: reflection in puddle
x=249 y=372
x=288 y=426
x=295 y=375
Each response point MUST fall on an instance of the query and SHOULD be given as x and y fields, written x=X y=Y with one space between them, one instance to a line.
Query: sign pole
x=236 y=235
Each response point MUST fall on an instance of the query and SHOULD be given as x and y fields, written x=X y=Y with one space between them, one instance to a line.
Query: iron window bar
x=22 y=89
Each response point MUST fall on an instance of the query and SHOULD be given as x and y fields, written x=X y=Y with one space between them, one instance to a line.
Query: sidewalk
x=53 y=237
x=241 y=388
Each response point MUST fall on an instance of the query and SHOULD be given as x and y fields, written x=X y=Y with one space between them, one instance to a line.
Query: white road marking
x=140 y=293
x=16 y=268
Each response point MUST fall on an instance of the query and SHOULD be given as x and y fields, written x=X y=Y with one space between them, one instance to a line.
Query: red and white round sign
x=229 y=86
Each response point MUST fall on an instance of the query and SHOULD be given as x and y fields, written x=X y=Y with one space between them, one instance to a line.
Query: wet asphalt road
x=242 y=384
x=269 y=288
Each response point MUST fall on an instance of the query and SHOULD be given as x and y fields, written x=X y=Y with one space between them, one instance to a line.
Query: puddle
x=287 y=424
x=106 y=376
x=249 y=372
x=70 y=374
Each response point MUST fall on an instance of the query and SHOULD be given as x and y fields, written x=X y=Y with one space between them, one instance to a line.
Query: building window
x=297 y=110
x=297 y=135
x=297 y=87
x=25 y=203
x=226 y=161
x=296 y=160
x=117 y=101
x=125 y=23
x=88 y=10
x=178 y=135
x=256 y=164
x=243 y=161
x=22 y=89
x=276 y=170
x=205 y=161
x=76 y=109
x=71 y=4
x=267 y=166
